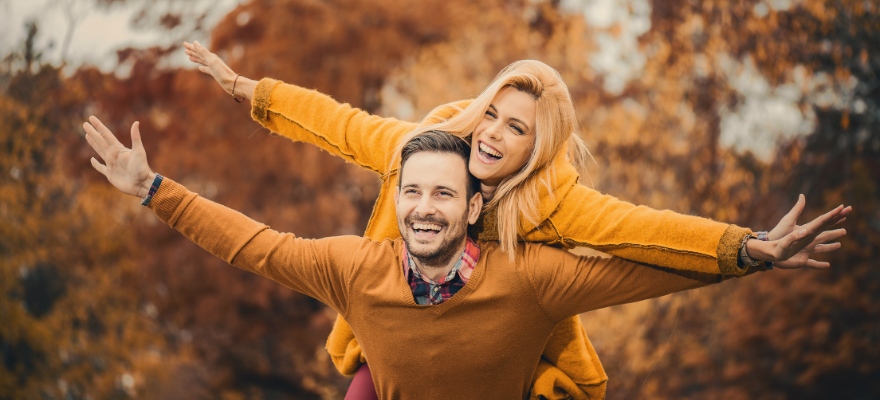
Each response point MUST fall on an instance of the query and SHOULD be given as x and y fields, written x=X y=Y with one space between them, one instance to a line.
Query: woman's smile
x=488 y=154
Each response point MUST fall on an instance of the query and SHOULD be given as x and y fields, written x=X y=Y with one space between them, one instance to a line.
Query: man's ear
x=476 y=205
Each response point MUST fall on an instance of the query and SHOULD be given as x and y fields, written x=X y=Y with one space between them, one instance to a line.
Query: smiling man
x=437 y=314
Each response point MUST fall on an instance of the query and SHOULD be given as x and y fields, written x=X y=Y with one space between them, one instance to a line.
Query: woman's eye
x=518 y=129
x=489 y=113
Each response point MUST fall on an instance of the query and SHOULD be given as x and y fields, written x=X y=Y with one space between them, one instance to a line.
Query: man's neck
x=436 y=270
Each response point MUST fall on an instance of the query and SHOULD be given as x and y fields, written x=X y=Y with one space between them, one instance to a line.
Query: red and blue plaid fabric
x=153 y=188
x=426 y=291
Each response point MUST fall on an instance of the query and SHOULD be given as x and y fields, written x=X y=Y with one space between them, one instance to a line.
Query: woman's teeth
x=490 y=151
x=427 y=227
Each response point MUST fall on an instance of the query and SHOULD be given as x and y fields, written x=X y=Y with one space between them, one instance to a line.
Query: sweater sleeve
x=568 y=285
x=585 y=217
x=318 y=268
x=309 y=116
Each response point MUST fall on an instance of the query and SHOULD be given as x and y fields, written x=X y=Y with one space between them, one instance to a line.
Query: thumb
x=136 y=143
x=796 y=211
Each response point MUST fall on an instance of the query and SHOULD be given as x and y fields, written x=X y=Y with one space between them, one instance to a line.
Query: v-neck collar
x=441 y=308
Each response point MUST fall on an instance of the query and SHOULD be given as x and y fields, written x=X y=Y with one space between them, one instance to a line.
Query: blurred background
x=724 y=109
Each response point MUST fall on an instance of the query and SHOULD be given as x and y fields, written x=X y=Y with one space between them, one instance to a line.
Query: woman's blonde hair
x=556 y=135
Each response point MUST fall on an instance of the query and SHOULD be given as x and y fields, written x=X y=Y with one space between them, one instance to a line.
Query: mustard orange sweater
x=483 y=343
x=570 y=215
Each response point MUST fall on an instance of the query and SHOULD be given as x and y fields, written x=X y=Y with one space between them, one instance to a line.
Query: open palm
x=799 y=242
x=125 y=168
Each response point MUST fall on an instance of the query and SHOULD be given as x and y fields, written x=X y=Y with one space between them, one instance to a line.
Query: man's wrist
x=144 y=185
x=154 y=186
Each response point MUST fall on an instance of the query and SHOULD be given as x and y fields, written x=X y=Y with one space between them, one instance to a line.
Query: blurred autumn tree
x=101 y=295
x=70 y=328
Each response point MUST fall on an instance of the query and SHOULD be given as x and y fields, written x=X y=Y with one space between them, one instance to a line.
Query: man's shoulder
x=365 y=249
x=525 y=251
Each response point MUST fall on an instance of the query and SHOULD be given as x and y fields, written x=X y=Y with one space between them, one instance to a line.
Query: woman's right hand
x=211 y=64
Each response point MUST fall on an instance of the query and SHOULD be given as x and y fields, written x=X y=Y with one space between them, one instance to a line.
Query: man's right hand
x=125 y=168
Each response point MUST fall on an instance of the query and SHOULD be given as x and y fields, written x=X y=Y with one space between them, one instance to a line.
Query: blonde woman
x=525 y=149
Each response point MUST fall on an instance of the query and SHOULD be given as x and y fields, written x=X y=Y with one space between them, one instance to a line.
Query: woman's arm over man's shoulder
x=586 y=217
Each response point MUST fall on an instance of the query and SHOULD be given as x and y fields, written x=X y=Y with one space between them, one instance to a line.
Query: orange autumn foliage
x=105 y=302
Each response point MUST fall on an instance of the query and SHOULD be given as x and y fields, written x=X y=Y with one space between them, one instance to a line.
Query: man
x=423 y=339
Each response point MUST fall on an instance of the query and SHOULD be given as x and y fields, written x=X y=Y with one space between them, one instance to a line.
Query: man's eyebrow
x=448 y=189
x=515 y=119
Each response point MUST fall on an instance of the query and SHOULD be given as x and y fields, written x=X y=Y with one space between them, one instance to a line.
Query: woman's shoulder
x=446 y=111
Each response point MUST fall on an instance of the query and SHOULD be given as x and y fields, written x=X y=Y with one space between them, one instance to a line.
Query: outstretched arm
x=579 y=284
x=314 y=267
x=305 y=115
x=665 y=238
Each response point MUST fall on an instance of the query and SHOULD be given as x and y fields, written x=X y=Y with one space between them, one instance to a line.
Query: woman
x=525 y=147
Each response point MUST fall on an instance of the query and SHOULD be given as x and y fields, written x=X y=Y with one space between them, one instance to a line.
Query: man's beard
x=448 y=248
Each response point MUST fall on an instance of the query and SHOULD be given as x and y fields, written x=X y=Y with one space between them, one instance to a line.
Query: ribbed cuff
x=168 y=199
x=260 y=103
x=728 y=250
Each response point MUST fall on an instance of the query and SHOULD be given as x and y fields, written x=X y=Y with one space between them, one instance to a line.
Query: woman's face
x=504 y=138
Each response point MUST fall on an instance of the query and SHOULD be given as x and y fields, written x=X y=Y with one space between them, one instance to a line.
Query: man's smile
x=426 y=230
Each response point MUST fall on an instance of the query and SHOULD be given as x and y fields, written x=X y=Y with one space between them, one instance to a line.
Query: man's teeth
x=427 y=227
x=488 y=150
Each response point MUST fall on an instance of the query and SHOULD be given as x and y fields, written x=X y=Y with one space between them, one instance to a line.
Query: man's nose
x=426 y=206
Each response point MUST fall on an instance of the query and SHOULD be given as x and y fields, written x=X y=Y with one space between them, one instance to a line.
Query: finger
x=829 y=236
x=100 y=167
x=95 y=140
x=192 y=54
x=202 y=50
x=813 y=264
x=826 y=248
x=105 y=133
x=796 y=211
x=188 y=45
x=197 y=60
x=136 y=143
x=822 y=222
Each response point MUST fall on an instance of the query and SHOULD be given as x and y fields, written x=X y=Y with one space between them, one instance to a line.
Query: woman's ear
x=475 y=206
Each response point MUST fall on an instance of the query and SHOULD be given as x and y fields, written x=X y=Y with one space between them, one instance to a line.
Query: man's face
x=432 y=206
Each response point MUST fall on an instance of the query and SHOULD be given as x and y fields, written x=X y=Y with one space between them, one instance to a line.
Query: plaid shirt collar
x=428 y=292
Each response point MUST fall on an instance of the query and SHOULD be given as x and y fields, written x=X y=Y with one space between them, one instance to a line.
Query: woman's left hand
x=791 y=245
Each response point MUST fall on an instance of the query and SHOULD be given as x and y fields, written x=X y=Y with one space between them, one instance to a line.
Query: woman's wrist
x=245 y=87
x=760 y=250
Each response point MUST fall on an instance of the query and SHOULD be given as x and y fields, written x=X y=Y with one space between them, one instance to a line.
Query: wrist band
x=233 y=89
x=153 y=188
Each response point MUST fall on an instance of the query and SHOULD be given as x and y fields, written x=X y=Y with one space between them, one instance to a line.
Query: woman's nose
x=495 y=131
